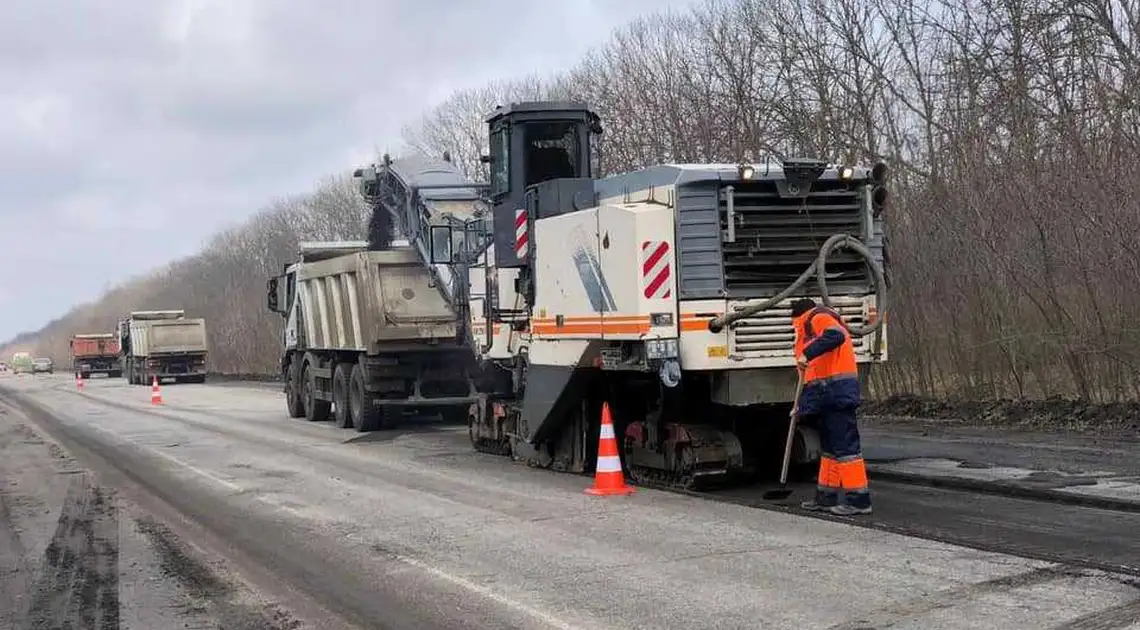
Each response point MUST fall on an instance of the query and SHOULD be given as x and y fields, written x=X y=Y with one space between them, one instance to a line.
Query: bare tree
x=1011 y=127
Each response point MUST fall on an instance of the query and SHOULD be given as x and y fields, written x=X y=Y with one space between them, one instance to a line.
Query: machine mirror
x=271 y=295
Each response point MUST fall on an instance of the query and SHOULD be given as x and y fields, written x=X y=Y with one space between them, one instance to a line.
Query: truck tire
x=342 y=408
x=365 y=415
x=316 y=410
x=293 y=401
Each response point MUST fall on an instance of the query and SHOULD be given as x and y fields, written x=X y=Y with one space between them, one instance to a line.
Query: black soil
x=1049 y=414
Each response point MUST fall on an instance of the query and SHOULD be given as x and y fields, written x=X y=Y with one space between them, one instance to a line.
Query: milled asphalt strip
x=876 y=470
x=998 y=488
x=751 y=500
x=1010 y=489
x=305 y=562
x=1003 y=488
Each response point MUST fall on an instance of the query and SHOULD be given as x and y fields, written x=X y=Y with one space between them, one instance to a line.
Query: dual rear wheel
x=350 y=407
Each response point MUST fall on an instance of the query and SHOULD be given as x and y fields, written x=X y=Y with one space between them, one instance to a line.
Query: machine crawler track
x=641 y=476
x=685 y=481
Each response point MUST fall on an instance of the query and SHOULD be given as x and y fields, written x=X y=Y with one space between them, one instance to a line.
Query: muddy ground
x=76 y=555
x=1047 y=415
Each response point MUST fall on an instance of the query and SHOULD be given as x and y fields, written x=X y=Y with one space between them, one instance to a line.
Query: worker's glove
x=801 y=362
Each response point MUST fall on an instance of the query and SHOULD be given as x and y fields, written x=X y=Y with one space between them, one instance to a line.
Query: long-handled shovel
x=783 y=491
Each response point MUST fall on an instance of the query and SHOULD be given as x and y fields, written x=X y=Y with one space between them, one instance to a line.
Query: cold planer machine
x=664 y=292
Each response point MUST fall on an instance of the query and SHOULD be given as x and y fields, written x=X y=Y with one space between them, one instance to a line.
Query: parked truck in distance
x=369 y=335
x=22 y=363
x=95 y=353
x=163 y=344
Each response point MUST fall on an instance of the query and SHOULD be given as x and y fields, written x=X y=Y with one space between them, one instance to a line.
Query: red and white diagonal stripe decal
x=656 y=267
x=522 y=238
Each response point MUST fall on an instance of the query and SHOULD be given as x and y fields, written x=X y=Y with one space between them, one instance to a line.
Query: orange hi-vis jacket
x=831 y=379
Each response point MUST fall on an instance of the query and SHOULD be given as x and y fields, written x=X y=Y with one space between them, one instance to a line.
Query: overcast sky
x=131 y=130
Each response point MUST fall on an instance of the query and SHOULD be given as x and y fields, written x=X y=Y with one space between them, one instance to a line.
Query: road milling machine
x=664 y=292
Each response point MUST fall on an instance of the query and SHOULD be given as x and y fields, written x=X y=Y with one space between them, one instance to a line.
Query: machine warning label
x=656 y=267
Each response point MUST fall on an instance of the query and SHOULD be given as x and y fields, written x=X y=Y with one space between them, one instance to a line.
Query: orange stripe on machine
x=591 y=325
x=692 y=322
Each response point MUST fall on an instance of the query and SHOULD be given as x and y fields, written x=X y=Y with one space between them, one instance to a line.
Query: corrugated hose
x=818 y=268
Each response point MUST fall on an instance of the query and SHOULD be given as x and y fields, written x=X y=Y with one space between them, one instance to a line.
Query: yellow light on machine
x=846 y=173
x=716 y=352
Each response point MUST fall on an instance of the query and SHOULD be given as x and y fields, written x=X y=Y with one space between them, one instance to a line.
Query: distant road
x=261 y=521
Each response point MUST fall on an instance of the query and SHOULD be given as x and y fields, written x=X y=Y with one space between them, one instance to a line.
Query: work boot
x=822 y=502
x=848 y=510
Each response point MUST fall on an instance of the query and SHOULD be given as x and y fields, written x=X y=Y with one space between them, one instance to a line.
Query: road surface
x=216 y=510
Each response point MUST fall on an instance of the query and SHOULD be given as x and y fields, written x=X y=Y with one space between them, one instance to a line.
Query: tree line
x=1011 y=127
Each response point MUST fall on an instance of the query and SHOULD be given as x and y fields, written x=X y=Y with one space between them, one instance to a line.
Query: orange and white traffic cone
x=79 y=381
x=155 y=392
x=608 y=476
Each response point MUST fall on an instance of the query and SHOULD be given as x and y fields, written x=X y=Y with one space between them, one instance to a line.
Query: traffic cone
x=155 y=392
x=608 y=476
x=79 y=381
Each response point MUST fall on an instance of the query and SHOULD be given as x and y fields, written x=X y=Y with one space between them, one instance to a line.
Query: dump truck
x=95 y=353
x=163 y=344
x=663 y=293
x=369 y=337
x=22 y=363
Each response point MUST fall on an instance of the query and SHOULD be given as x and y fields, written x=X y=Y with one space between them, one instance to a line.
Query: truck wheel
x=342 y=408
x=365 y=416
x=316 y=410
x=293 y=399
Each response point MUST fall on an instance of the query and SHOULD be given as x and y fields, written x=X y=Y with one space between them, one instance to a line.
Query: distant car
x=3 y=367
x=43 y=364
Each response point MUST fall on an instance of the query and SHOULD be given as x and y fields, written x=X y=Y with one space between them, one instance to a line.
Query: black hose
x=818 y=268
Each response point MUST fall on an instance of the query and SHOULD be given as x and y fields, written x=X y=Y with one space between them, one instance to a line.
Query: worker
x=825 y=356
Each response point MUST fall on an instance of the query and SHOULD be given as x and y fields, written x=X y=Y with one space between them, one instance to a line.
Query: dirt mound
x=1050 y=413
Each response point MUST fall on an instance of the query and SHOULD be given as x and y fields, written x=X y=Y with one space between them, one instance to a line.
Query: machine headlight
x=846 y=173
x=747 y=172
x=661 y=348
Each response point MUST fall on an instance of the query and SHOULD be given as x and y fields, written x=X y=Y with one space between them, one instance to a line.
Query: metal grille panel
x=769 y=335
x=776 y=239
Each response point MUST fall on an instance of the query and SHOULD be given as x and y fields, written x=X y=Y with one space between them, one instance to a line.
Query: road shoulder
x=83 y=555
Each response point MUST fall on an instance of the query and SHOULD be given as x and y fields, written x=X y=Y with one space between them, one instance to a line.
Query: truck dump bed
x=368 y=300
x=94 y=345
x=173 y=336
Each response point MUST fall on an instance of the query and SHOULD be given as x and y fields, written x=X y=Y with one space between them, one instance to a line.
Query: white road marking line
x=171 y=458
x=483 y=591
x=541 y=616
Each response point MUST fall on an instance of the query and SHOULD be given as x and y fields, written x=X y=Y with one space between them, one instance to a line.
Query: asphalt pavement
x=229 y=513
